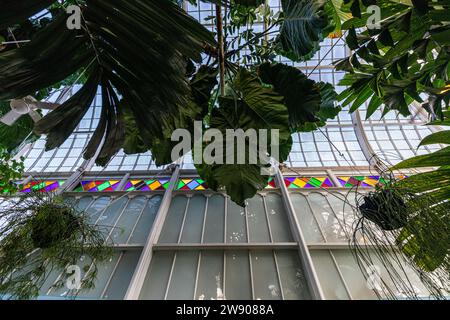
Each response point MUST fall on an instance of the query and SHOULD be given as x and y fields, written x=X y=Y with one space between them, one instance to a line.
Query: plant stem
x=221 y=50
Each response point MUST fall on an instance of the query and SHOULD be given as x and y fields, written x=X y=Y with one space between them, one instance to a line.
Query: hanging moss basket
x=42 y=232
x=386 y=208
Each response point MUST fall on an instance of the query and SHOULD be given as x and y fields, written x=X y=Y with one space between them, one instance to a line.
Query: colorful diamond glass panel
x=147 y=185
x=42 y=186
x=97 y=186
x=307 y=182
x=271 y=183
x=363 y=181
x=191 y=184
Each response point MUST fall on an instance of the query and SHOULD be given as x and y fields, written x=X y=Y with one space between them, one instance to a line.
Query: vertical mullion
x=267 y=218
x=340 y=275
x=204 y=219
x=184 y=218
x=111 y=276
x=170 y=275
x=249 y=254
x=137 y=221
x=315 y=218
x=197 y=274
x=140 y=272
x=278 y=274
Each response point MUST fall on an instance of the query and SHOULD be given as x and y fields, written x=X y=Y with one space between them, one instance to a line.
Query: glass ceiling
x=337 y=145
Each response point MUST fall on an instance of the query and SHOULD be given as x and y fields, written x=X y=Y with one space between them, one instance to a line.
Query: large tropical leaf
x=250 y=105
x=305 y=24
x=301 y=95
x=134 y=49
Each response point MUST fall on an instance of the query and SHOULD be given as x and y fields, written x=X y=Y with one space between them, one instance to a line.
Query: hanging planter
x=385 y=207
x=41 y=232
x=399 y=229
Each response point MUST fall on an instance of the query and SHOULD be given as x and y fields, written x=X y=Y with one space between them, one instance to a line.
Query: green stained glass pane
x=166 y=185
x=180 y=184
x=315 y=182
x=103 y=186
x=149 y=182
x=359 y=178
x=78 y=189
x=39 y=186
x=382 y=181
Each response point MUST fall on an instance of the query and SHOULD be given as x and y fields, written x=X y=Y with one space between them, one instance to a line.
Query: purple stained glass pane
x=52 y=187
x=328 y=183
x=145 y=188
x=128 y=185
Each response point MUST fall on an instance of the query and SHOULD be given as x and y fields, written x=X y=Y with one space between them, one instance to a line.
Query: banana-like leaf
x=435 y=159
x=442 y=137
x=139 y=48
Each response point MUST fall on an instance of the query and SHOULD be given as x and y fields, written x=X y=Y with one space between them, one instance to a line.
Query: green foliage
x=305 y=24
x=407 y=56
x=10 y=170
x=40 y=233
x=20 y=132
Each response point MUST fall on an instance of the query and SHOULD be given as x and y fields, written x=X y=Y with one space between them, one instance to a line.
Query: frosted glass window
x=155 y=284
x=182 y=282
x=236 y=225
x=279 y=223
x=119 y=282
x=128 y=219
x=306 y=219
x=215 y=220
x=326 y=217
x=145 y=222
x=193 y=224
x=330 y=281
x=265 y=276
x=105 y=271
x=210 y=277
x=238 y=282
x=109 y=217
x=174 y=220
x=96 y=208
x=257 y=220
x=292 y=278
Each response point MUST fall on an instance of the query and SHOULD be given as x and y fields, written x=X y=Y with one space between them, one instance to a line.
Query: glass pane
x=105 y=271
x=329 y=278
x=292 y=278
x=215 y=218
x=236 y=226
x=61 y=292
x=344 y=212
x=128 y=219
x=157 y=278
x=182 y=283
x=174 y=220
x=121 y=278
x=145 y=223
x=265 y=276
x=193 y=225
x=109 y=217
x=238 y=283
x=257 y=220
x=352 y=275
x=210 y=277
x=97 y=207
x=326 y=217
x=83 y=203
x=306 y=219
x=279 y=224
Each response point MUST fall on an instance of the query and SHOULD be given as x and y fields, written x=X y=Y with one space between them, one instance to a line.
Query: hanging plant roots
x=41 y=232
x=404 y=233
